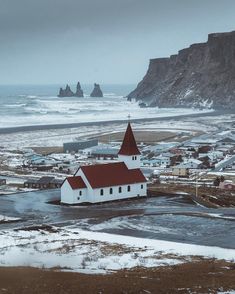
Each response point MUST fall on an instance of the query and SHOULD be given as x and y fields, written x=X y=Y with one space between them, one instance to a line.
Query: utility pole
x=196 y=184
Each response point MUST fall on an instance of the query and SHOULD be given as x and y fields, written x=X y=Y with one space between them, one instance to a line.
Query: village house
x=76 y=146
x=227 y=185
x=192 y=163
x=43 y=183
x=104 y=151
x=2 y=182
x=180 y=171
x=108 y=182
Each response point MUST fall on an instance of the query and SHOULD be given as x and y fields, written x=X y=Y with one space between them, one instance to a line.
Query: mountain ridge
x=202 y=75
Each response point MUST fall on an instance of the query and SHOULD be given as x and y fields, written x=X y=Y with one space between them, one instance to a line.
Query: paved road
x=173 y=218
x=225 y=163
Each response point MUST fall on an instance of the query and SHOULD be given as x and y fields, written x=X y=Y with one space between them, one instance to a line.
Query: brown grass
x=47 y=150
x=147 y=137
x=207 y=276
x=207 y=194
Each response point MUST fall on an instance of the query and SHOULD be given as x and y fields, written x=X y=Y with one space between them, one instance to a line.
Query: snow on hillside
x=92 y=252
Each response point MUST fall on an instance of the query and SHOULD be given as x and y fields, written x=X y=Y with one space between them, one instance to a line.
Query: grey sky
x=107 y=41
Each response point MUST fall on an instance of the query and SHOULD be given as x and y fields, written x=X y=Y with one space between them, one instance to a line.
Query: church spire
x=129 y=146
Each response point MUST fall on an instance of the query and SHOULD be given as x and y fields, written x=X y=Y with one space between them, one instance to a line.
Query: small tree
x=222 y=179
x=217 y=181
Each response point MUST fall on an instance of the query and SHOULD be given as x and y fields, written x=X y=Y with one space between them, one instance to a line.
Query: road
x=225 y=163
x=172 y=218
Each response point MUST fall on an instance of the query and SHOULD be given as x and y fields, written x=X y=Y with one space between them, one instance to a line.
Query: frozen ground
x=176 y=219
x=83 y=251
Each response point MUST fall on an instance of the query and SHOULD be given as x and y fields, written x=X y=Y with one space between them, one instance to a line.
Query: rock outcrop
x=202 y=75
x=96 y=91
x=79 y=91
x=67 y=92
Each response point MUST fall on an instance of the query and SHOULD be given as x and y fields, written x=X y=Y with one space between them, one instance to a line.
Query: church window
x=111 y=191
x=80 y=193
x=128 y=188
x=101 y=192
x=142 y=186
x=120 y=189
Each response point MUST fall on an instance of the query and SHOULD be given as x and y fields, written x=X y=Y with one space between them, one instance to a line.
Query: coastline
x=29 y=128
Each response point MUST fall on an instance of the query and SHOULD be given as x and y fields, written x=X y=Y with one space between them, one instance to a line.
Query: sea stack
x=67 y=92
x=96 y=91
x=79 y=91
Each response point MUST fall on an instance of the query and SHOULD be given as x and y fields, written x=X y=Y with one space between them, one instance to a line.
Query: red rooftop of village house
x=129 y=146
x=112 y=174
x=76 y=182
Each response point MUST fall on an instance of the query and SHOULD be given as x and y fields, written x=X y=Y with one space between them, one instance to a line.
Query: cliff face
x=202 y=75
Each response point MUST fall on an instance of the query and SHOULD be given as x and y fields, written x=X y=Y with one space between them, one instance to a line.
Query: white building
x=192 y=163
x=108 y=182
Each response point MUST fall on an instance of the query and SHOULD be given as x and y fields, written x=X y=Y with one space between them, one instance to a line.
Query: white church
x=110 y=181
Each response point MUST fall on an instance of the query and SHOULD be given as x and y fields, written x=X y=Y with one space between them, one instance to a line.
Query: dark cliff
x=202 y=75
x=67 y=92
x=79 y=91
x=96 y=91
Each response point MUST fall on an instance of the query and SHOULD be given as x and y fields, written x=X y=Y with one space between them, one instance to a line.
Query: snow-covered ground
x=93 y=252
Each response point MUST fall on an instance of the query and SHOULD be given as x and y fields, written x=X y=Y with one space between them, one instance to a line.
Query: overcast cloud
x=107 y=41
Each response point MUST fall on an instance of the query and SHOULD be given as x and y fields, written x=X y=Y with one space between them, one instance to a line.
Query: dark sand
x=75 y=125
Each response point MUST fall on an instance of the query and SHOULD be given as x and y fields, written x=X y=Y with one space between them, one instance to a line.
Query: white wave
x=51 y=110
x=14 y=105
x=31 y=96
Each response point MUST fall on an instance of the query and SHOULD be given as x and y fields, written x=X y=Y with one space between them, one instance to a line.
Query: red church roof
x=112 y=174
x=129 y=146
x=76 y=183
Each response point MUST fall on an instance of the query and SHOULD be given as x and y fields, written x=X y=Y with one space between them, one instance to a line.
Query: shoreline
x=30 y=128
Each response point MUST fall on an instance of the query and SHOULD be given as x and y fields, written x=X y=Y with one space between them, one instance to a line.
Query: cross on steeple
x=129 y=117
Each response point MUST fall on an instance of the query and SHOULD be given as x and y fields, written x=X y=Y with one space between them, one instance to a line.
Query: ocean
x=27 y=105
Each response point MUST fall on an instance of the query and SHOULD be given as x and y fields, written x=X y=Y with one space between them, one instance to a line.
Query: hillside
x=202 y=75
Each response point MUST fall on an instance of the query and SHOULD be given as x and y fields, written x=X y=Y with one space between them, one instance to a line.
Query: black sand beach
x=29 y=128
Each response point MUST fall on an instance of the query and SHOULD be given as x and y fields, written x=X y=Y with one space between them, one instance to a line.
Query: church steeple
x=129 y=146
x=129 y=152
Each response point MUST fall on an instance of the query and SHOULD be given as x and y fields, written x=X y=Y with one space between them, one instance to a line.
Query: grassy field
x=148 y=137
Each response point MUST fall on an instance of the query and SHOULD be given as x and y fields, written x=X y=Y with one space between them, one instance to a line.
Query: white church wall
x=135 y=191
x=131 y=161
x=72 y=196
x=66 y=193
x=89 y=195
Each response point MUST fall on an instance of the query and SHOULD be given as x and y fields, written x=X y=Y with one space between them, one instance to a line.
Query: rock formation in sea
x=67 y=92
x=202 y=75
x=79 y=91
x=96 y=91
